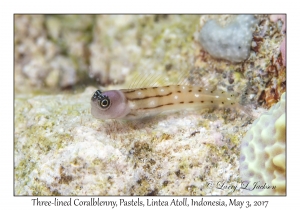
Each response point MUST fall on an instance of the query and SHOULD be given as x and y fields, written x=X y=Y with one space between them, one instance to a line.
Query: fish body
x=142 y=102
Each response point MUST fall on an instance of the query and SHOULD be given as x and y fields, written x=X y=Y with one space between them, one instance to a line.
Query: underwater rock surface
x=61 y=150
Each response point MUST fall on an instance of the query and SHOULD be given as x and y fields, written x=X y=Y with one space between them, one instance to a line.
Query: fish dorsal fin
x=143 y=80
x=157 y=79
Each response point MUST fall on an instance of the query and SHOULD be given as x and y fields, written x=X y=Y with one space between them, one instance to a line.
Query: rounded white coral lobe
x=232 y=42
x=263 y=152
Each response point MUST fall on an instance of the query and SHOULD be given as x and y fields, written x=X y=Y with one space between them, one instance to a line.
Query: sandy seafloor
x=60 y=149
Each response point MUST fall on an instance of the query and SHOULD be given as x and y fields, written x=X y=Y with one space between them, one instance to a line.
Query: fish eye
x=104 y=103
x=102 y=100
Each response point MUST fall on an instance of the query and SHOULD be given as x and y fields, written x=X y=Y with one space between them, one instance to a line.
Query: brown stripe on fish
x=157 y=106
x=135 y=99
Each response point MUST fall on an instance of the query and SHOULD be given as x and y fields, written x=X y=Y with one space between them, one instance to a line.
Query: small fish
x=144 y=102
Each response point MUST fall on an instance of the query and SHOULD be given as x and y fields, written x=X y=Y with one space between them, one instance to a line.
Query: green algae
x=184 y=165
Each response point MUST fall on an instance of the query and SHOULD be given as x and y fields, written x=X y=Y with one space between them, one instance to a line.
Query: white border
x=154 y=6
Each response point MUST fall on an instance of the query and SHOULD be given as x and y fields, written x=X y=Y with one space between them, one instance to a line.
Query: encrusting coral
x=262 y=160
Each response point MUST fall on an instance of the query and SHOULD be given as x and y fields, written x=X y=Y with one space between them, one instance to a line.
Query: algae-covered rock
x=60 y=149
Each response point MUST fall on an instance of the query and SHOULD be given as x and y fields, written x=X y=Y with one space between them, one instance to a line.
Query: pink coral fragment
x=283 y=51
x=275 y=18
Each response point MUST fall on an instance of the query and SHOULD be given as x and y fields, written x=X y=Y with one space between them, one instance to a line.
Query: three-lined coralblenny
x=143 y=102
